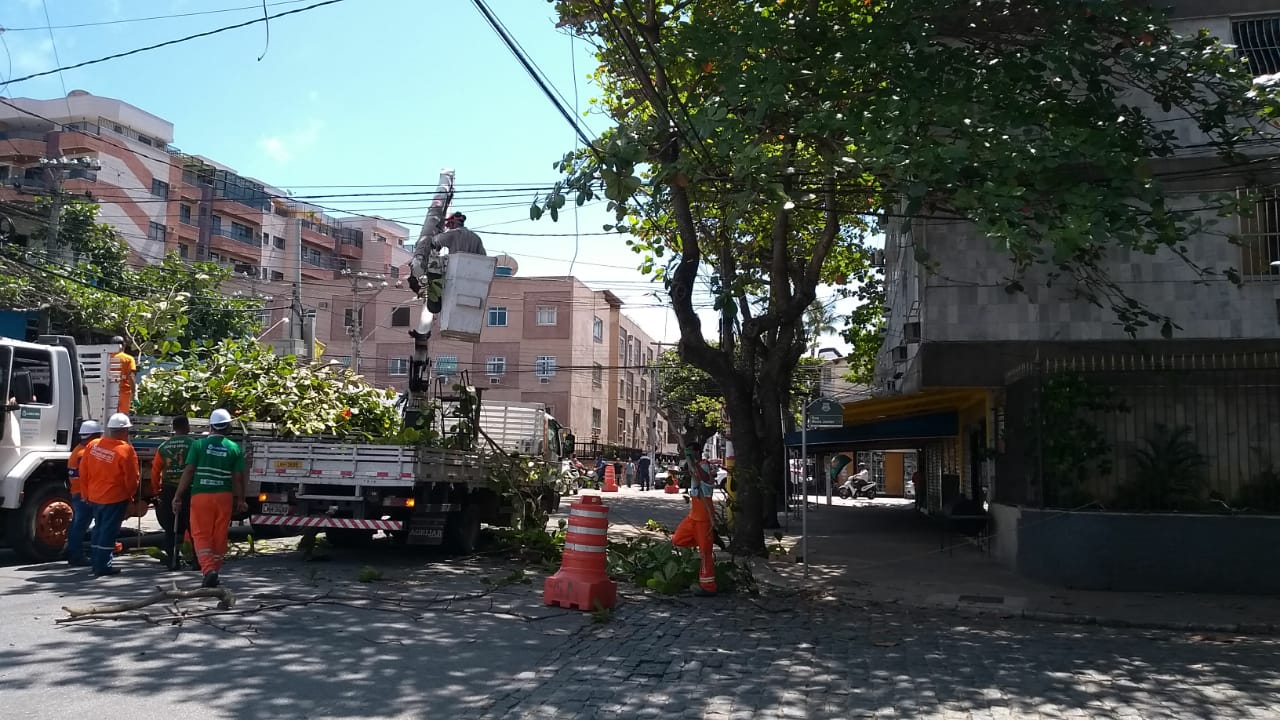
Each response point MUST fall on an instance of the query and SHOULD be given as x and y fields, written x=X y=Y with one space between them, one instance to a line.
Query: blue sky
x=360 y=93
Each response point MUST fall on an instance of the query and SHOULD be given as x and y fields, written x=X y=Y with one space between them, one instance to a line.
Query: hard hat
x=220 y=417
x=117 y=340
x=90 y=427
x=118 y=421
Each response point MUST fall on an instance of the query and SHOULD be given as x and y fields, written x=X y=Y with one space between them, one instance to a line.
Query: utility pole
x=55 y=170
x=361 y=282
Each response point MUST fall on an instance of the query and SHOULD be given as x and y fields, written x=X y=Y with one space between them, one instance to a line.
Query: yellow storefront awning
x=924 y=402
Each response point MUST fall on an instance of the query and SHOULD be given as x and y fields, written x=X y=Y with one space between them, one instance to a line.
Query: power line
x=167 y=43
x=121 y=21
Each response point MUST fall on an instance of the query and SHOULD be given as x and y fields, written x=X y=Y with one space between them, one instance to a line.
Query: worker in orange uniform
x=215 y=478
x=81 y=510
x=110 y=478
x=166 y=473
x=123 y=373
x=696 y=528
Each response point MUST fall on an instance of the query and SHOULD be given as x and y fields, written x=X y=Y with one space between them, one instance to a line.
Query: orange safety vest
x=109 y=471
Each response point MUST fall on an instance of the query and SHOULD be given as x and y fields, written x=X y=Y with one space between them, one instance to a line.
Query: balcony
x=249 y=238
x=22 y=145
x=348 y=250
x=224 y=245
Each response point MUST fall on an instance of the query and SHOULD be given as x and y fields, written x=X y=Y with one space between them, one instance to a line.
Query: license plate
x=287 y=464
x=275 y=508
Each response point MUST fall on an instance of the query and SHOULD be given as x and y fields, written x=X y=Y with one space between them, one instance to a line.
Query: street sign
x=825 y=413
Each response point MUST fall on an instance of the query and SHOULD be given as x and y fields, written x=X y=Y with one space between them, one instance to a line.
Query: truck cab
x=43 y=396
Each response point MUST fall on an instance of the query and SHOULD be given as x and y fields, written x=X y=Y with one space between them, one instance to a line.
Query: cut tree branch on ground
x=225 y=599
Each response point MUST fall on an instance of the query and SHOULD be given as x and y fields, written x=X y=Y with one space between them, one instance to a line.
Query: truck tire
x=38 y=529
x=462 y=530
x=348 y=538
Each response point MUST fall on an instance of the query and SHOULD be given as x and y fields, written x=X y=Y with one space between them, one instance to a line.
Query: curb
x=1046 y=616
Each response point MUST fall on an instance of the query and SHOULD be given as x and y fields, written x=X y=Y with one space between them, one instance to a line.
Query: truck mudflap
x=301 y=521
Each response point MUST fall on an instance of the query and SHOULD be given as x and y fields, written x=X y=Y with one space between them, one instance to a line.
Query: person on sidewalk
x=696 y=530
x=214 y=476
x=643 y=475
x=166 y=472
x=110 y=478
x=81 y=510
x=629 y=473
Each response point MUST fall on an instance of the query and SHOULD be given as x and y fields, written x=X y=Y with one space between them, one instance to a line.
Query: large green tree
x=756 y=143
x=89 y=290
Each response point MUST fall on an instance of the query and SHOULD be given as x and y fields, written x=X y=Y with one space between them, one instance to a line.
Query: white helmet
x=220 y=417
x=90 y=427
x=119 y=421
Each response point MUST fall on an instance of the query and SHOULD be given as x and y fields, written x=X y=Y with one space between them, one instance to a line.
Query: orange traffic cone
x=672 y=488
x=583 y=581
x=610 y=482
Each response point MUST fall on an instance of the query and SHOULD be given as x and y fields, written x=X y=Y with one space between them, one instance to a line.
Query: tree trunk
x=749 y=475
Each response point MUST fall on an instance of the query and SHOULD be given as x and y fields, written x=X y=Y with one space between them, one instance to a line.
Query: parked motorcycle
x=854 y=488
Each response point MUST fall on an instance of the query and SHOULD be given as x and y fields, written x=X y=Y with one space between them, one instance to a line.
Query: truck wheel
x=462 y=530
x=39 y=530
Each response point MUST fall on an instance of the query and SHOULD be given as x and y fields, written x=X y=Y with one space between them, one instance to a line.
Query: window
x=447 y=365
x=648 y=357
x=546 y=315
x=159 y=188
x=31 y=380
x=595 y=420
x=1258 y=41
x=395 y=271
x=622 y=344
x=497 y=316
x=597 y=329
x=351 y=317
x=400 y=317
x=243 y=233
x=277 y=275
x=495 y=365
x=597 y=375
x=1260 y=233
x=635 y=422
x=545 y=366
x=278 y=242
x=183 y=252
x=155 y=231
x=398 y=366
x=503 y=271
x=184 y=214
x=622 y=422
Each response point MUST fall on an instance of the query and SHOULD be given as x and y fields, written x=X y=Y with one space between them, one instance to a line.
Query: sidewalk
x=887 y=552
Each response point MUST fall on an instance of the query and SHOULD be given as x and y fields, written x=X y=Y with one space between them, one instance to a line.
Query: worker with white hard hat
x=215 y=478
x=110 y=478
x=81 y=510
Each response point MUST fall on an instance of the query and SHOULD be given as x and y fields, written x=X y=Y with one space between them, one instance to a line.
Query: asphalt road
x=435 y=637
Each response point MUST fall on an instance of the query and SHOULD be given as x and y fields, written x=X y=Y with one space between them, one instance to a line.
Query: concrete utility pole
x=372 y=285
x=656 y=371
x=55 y=170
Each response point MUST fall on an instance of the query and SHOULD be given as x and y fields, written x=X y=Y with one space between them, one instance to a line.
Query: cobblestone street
x=440 y=637
x=731 y=659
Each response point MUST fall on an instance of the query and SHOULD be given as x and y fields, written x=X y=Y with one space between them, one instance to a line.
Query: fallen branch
x=226 y=601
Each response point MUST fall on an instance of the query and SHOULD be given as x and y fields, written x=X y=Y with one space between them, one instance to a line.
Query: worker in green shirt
x=166 y=473
x=215 y=478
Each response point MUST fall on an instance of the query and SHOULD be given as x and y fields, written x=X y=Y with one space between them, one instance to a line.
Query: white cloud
x=285 y=147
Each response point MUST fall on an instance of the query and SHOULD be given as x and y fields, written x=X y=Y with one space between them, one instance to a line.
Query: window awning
x=895 y=422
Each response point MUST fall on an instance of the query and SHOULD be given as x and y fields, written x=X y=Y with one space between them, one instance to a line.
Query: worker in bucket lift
x=696 y=530
x=456 y=238
x=123 y=372
x=215 y=478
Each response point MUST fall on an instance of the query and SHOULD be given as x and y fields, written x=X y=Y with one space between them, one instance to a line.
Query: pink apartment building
x=163 y=200
x=555 y=341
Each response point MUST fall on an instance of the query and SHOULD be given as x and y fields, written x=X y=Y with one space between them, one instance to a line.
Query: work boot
x=210 y=579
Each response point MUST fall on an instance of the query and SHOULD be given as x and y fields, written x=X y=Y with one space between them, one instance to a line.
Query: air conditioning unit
x=900 y=354
x=911 y=332
x=495 y=381
x=545 y=380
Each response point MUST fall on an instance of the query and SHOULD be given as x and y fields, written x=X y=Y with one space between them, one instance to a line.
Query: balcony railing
x=22 y=135
x=226 y=232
